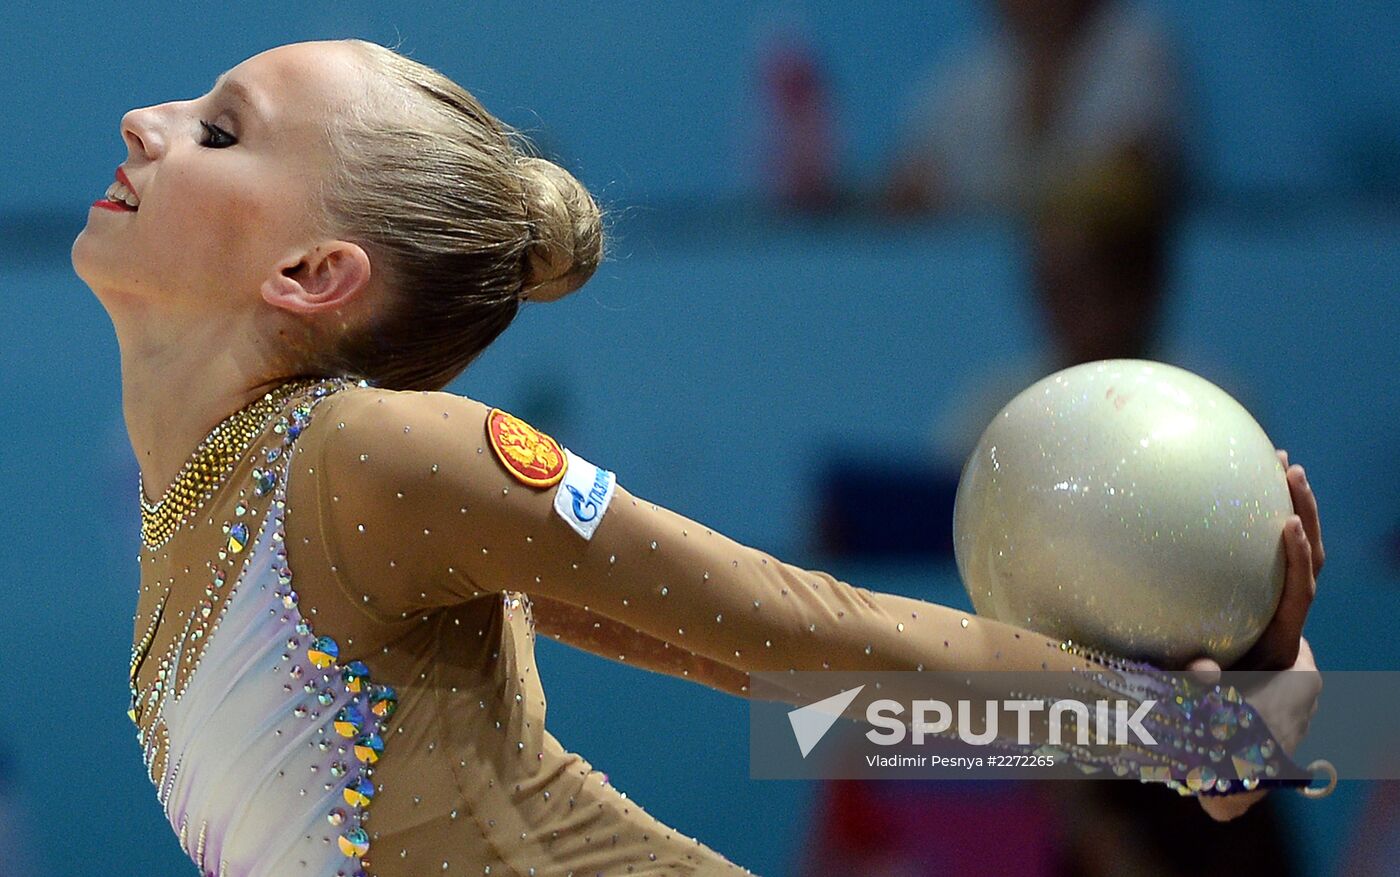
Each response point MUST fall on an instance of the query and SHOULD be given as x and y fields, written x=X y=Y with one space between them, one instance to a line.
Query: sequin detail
x=237 y=538
x=1238 y=752
x=323 y=652
x=245 y=628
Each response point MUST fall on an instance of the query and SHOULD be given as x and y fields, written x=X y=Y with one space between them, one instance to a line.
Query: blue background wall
x=721 y=353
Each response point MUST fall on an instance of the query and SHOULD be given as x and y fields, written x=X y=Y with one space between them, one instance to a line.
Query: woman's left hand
x=1286 y=703
x=1282 y=647
x=1277 y=647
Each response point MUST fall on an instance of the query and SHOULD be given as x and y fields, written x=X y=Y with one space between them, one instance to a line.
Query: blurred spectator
x=1066 y=119
x=1060 y=90
x=801 y=151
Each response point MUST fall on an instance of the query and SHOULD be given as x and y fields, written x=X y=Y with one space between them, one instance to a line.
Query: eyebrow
x=238 y=90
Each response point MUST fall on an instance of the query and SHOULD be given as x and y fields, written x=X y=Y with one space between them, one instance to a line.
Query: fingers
x=1299 y=584
x=1305 y=506
x=1277 y=647
x=1205 y=670
x=1307 y=663
x=1306 y=660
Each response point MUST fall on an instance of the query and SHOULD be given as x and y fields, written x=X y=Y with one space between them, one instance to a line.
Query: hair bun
x=566 y=231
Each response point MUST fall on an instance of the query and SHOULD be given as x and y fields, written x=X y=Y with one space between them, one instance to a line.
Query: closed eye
x=216 y=137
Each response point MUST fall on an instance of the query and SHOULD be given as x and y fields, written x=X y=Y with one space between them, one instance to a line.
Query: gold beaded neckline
x=212 y=461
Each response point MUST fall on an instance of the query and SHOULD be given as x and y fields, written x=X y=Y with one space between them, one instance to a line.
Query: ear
x=327 y=277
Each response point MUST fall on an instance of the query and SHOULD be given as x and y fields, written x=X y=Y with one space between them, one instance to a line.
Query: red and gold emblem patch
x=528 y=454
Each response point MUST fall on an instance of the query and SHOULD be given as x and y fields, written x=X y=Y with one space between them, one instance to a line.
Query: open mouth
x=120 y=197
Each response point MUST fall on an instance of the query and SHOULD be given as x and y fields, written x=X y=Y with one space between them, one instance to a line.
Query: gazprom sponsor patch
x=583 y=494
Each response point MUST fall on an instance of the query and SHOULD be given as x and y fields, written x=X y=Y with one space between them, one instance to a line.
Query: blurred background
x=843 y=235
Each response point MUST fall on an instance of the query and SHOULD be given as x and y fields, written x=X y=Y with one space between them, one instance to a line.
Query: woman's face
x=224 y=184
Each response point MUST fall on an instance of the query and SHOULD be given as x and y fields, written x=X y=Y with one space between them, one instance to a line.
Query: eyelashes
x=216 y=137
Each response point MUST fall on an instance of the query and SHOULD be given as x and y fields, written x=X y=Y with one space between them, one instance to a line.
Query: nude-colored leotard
x=387 y=544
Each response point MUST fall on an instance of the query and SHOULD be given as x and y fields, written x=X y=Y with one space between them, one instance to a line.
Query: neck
x=178 y=385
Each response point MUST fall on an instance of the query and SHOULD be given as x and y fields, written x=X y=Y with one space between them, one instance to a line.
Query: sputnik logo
x=811 y=722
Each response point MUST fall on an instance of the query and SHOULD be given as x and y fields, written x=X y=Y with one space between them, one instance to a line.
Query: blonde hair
x=461 y=220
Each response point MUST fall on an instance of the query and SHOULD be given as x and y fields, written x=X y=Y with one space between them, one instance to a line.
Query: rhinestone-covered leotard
x=343 y=679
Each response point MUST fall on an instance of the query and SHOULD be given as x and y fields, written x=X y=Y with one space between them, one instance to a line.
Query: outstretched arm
x=414 y=477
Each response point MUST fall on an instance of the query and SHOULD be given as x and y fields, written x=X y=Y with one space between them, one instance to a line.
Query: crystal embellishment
x=359 y=793
x=323 y=652
x=348 y=722
x=384 y=701
x=264 y=480
x=354 y=842
x=237 y=538
x=356 y=675
x=368 y=748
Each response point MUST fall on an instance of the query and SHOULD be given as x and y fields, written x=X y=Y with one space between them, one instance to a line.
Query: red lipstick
x=117 y=206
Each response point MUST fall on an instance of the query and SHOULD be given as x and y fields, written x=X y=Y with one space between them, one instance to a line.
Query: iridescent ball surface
x=1129 y=505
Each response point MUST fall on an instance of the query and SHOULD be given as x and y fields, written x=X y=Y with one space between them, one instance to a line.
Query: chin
x=93 y=263
x=81 y=257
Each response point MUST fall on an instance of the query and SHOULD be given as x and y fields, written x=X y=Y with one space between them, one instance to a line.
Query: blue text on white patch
x=584 y=494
